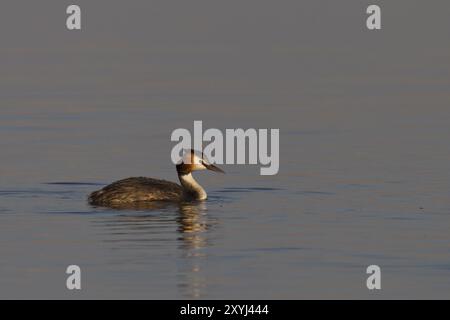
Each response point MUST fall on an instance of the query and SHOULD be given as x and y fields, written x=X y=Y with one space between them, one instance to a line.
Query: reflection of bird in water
x=143 y=190
x=153 y=232
x=192 y=223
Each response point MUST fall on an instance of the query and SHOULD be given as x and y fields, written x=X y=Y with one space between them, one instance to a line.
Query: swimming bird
x=140 y=190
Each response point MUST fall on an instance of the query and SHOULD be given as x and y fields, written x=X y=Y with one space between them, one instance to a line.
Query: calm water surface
x=364 y=123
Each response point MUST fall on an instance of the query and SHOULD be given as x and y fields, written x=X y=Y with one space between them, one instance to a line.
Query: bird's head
x=192 y=161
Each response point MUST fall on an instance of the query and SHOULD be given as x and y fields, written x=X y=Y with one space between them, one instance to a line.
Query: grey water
x=364 y=119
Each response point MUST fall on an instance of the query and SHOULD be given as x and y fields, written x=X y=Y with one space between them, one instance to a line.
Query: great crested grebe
x=141 y=190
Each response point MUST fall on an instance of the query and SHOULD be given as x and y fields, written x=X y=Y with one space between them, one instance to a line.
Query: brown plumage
x=139 y=189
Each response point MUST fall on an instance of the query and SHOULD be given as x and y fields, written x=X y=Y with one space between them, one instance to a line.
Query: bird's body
x=141 y=190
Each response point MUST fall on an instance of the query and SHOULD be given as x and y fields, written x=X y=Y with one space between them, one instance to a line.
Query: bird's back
x=135 y=190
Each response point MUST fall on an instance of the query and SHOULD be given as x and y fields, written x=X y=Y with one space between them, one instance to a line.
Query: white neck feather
x=191 y=187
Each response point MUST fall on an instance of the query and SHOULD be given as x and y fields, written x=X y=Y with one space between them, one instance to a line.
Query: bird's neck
x=191 y=187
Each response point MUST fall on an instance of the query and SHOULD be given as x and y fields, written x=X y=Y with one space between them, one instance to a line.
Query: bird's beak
x=213 y=168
